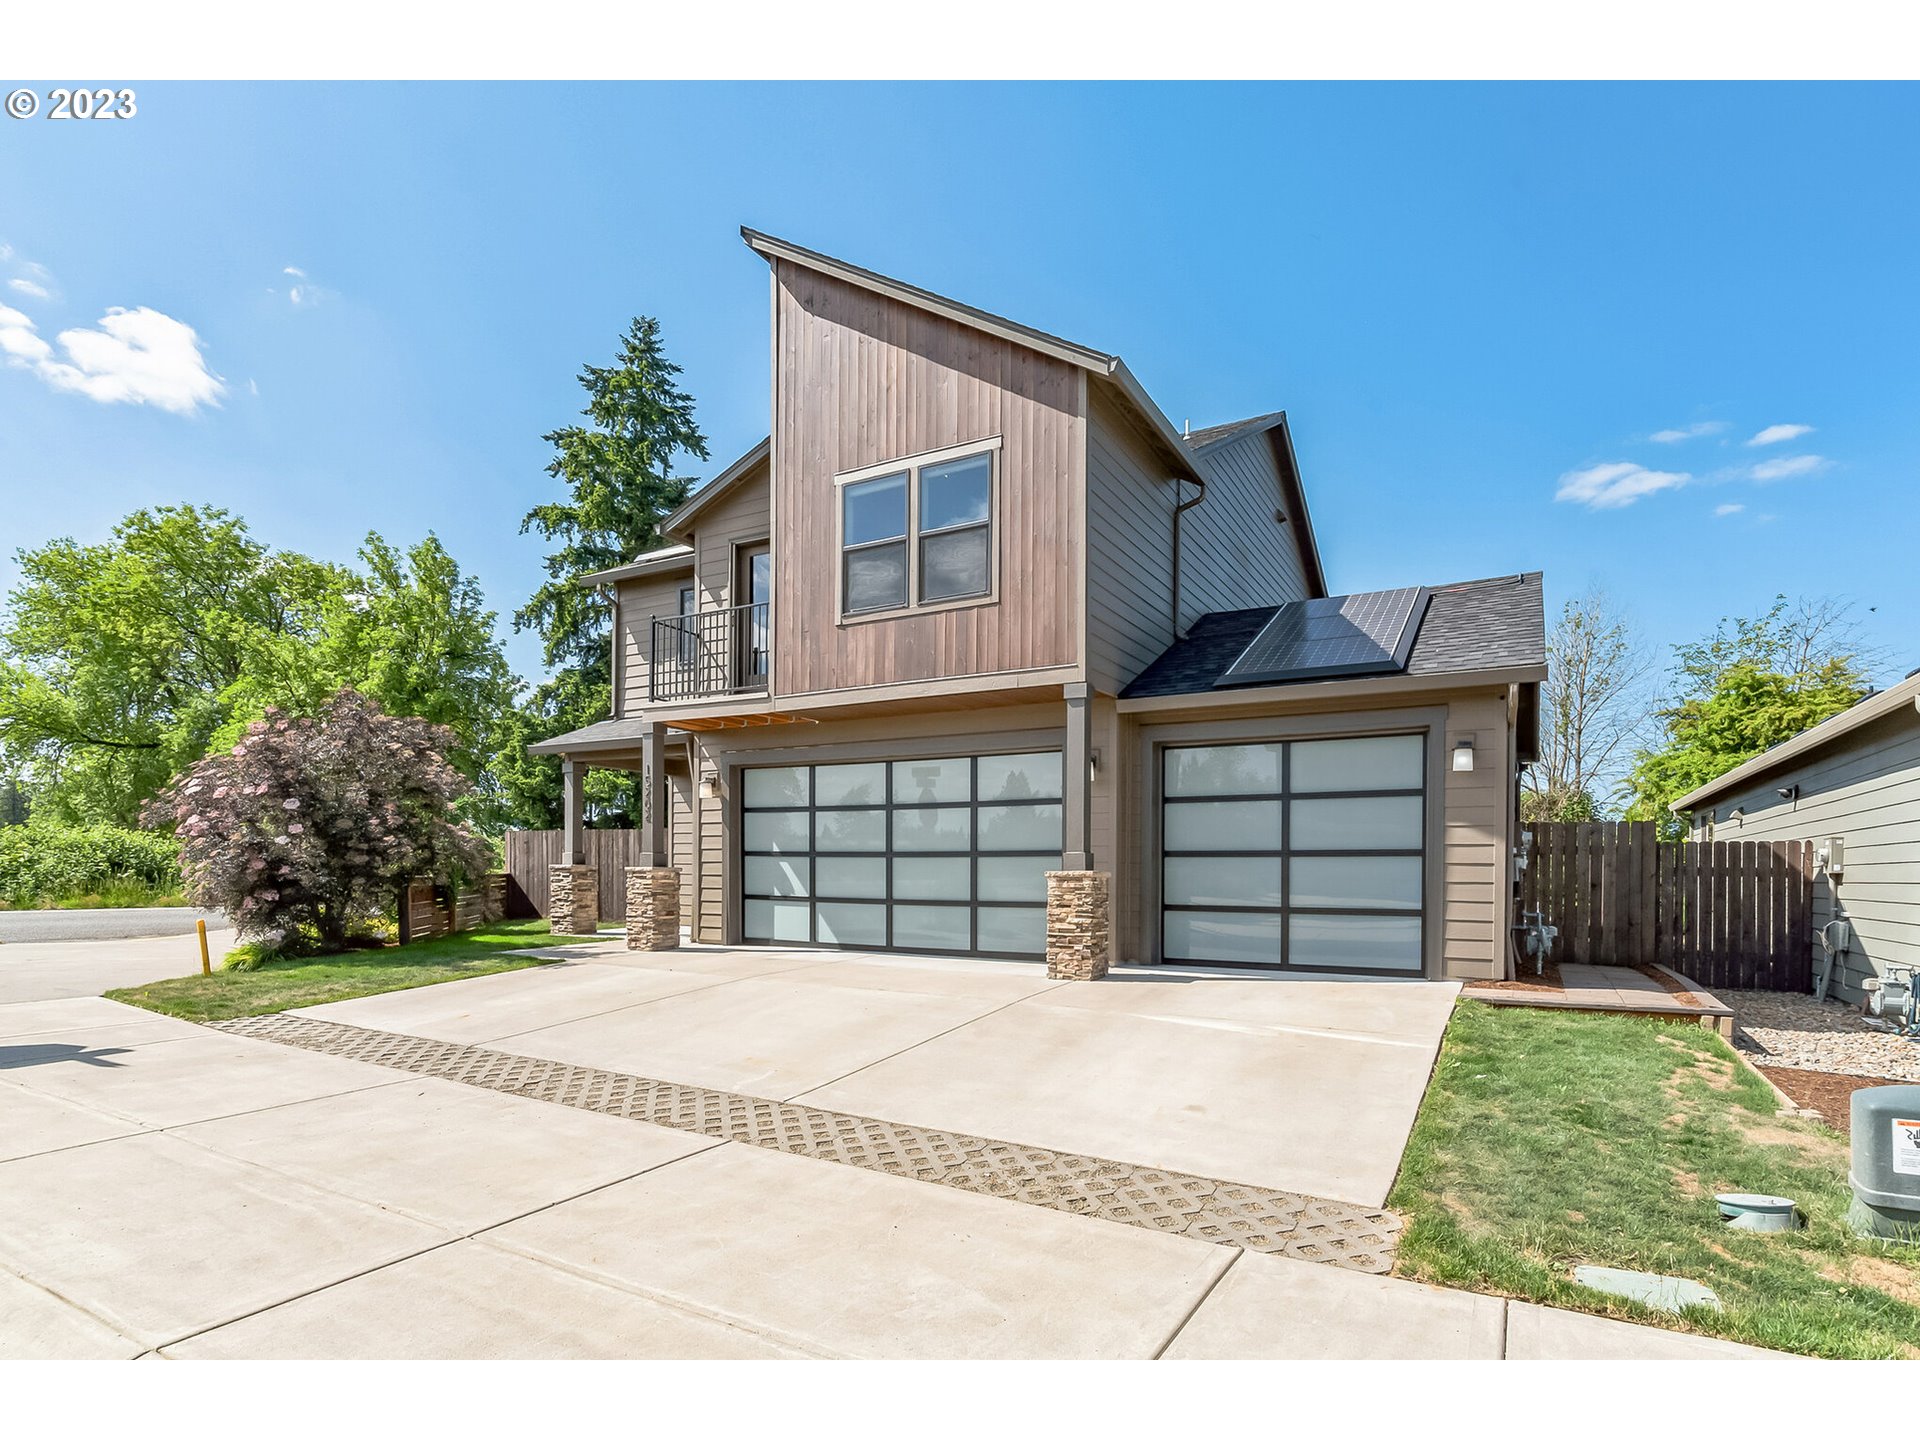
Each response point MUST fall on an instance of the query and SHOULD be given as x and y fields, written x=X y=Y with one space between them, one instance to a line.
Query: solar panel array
x=1342 y=635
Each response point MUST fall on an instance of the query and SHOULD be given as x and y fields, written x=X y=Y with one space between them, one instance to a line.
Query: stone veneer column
x=1079 y=923
x=573 y=900
x=653 y=908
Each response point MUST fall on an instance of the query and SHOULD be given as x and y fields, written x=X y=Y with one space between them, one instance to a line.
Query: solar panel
x=1367 y=634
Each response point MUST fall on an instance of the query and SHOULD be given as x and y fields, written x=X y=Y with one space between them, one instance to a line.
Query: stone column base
x=573 y=900
x=1079 y=923
x=653 y=908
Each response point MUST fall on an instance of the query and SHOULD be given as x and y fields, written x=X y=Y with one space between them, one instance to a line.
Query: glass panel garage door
x=1303 y=853
x=945 y=854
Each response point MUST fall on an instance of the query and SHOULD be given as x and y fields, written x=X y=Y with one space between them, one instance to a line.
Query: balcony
x=714 y=652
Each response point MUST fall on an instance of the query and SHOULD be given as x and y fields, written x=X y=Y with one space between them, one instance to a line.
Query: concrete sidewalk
x=170 y=1190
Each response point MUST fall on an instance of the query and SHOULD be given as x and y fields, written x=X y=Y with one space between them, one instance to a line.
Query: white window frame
x=911 y=466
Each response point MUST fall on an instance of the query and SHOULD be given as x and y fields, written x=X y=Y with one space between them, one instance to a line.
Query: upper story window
x=918 y=533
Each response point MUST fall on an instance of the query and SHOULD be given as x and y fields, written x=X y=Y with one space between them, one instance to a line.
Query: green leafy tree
x=1747 y=687
x=621 y=476
x=117 y=659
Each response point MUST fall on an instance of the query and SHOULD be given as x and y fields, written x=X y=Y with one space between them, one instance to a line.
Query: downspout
x=612 y=594
x=1180 y=508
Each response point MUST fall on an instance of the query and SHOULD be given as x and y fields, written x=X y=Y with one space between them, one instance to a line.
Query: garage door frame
x=1429 y=721
x=729 y=766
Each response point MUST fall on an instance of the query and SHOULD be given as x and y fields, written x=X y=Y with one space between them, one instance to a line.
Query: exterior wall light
x=1463 y=755
x=1093 y=766
x=710 y=787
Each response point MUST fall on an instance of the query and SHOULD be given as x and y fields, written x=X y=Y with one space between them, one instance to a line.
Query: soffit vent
x=1369 y=634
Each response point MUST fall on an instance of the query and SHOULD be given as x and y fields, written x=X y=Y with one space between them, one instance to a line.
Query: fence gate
x=1731 y=914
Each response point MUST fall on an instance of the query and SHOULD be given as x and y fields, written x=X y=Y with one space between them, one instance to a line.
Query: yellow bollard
x=206 y=961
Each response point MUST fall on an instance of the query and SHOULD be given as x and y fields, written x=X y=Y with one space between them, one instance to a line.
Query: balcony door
x=753 y=584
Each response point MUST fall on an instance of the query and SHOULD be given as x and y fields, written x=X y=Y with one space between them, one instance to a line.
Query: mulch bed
x=1831 y=1095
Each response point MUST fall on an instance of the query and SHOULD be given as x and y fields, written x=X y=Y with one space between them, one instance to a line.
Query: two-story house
x=976 y=654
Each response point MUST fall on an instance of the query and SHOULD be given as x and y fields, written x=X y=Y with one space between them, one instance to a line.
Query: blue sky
x=1469 y=299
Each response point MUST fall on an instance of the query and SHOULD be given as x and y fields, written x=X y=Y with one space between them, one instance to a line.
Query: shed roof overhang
x=1108 y=370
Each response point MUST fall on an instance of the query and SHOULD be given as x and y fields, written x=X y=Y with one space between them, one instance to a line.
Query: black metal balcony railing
x=715 y=652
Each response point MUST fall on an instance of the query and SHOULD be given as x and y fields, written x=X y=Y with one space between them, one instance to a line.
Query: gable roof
x=1891 y=701
x=1274 y=425
x=1107 y=369
x=1472 y=626
x=726 y=480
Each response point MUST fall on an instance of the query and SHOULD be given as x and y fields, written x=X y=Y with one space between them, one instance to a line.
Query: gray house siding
x=1130 y=500
x=1233 y=553
x=1865 y=789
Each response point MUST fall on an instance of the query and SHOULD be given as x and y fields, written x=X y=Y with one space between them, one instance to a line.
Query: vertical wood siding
x=861 y=379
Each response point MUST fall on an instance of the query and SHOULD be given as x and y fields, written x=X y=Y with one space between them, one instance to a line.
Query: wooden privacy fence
x=428 y=911
x=1731 y=914
x=531 y=854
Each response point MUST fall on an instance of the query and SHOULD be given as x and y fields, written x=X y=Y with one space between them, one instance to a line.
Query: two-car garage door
x=1302 y=853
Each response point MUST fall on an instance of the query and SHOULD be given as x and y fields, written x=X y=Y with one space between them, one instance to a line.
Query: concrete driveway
x=57 y=969
x=173 y=1190
x=1298 y=1084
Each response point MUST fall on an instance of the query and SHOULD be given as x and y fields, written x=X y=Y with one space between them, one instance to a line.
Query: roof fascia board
x=636 y=569
x=715 y=488
x=1875 y=707
x=1257 y=695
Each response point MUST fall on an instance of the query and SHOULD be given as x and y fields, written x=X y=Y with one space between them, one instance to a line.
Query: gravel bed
x=1797 y=1031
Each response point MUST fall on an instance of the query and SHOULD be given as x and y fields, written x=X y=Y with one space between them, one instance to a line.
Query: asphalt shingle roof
x=1474 y=625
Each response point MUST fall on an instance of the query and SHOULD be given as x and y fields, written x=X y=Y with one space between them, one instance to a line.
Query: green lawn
x=286 y=984
x=1552 y=1139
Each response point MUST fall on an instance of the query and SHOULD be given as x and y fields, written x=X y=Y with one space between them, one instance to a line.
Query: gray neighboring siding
x=641 y=602
x=1233 y=553
x=1864 y=788
x=1130 y=503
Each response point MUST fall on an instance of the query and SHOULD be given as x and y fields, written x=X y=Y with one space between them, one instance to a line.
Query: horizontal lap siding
x=1477 y=843
x=1130 y=502
x=640 y=603
x=1233 y=553
x=739 y=519
x=860 y=380
x=1865 y=789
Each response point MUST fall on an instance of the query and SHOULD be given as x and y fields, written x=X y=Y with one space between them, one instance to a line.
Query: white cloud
x=303 y=294
x=1728 y=509
x=1615 y=485
x=29 y=287
x=133 y=357
x=1690 y=432
x=1787 y=467
x=1774 y=434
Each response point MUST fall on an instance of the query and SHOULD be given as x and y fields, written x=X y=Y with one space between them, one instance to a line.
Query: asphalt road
x=19 y=926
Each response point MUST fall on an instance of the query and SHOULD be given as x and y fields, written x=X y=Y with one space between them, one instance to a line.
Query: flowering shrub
x=307 y=827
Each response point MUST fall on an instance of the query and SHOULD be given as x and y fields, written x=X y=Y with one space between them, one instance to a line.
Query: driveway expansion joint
x=1247 y=1217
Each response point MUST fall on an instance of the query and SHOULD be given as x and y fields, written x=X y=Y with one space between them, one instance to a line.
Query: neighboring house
x=976 y=612
x=1853 y=778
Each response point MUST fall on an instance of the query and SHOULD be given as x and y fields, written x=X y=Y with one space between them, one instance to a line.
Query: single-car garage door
x=1308 y=854
x=945 y=854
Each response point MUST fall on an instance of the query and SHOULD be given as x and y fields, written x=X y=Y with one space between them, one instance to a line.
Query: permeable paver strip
x=1220 y=1211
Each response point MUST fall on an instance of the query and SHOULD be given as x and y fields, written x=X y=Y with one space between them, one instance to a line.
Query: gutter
x=1308 y=691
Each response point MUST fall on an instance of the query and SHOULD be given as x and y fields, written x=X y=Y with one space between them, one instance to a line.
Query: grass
x=286 y=984
x=1550 y=1139
x=119 y=893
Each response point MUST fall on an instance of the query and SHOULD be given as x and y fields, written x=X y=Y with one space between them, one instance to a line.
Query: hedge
x=51 y=862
